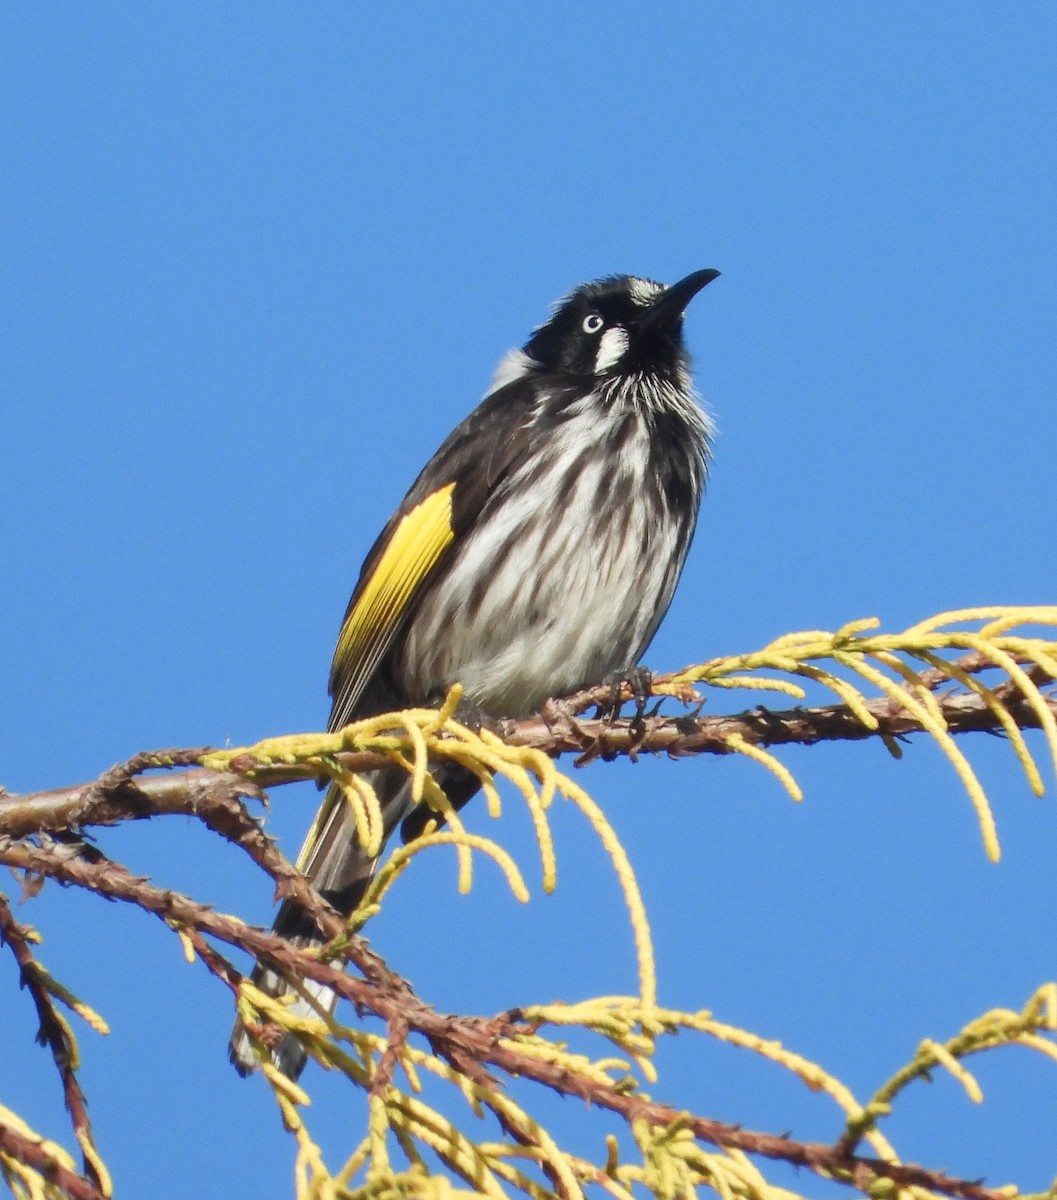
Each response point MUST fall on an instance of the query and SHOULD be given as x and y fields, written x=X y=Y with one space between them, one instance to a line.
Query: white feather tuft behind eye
x=644 y=291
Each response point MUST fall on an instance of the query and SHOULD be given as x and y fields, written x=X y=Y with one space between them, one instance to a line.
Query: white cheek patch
x=611 y=348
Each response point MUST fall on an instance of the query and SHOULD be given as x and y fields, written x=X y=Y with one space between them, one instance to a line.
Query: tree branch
x=34 y=1153
x=53 y=1031
x=215 y=796
x=679 y=737
x=478 y=1049
x=490 y=1042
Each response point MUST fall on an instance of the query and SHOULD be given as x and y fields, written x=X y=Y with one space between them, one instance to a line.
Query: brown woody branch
x=486 y=1042
x=215 y=797
x=52 y=1031
x=31 y=1151
x=679 y=737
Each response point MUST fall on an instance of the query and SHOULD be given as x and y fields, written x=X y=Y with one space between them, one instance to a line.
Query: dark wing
x=442 y=505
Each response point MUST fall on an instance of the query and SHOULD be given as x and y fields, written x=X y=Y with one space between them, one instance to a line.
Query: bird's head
x=620 y=325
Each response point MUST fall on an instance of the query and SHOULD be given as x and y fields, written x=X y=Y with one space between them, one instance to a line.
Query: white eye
x=593 y=323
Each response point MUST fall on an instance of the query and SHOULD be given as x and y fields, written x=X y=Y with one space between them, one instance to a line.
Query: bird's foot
x=474 y=717
x=637 y=680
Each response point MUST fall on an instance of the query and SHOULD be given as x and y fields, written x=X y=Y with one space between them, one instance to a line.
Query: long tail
x=336 y=865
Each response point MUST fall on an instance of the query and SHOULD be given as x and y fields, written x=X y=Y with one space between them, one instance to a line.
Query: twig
x=53 y=1031
x=34 y=1153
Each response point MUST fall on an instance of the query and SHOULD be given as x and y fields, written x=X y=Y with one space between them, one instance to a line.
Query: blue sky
x=258 y=260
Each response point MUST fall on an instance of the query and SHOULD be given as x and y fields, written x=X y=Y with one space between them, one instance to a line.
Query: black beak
x=672 y=302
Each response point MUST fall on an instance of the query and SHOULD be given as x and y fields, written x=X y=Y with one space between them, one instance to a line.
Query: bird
x=535 y=554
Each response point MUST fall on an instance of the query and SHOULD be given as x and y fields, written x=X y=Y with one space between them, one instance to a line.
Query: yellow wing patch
x=417 y=542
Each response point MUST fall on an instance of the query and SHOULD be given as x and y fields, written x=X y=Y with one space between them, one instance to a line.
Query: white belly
x=538 y=602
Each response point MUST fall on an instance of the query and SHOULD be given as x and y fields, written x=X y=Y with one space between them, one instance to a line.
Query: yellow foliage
x=859 y=665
